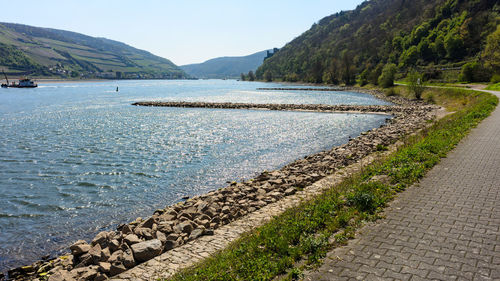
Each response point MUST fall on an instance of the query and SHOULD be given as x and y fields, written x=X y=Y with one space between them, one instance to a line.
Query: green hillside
x=225 y=67
x=435 y=37
x=44 y=52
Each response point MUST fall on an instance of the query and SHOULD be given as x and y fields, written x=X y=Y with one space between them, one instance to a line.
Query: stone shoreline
x=113 y=252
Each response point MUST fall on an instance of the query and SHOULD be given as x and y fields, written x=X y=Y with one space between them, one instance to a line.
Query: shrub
x=495 y=79
x=474 y=72
x=386 y=79
x=415 y=84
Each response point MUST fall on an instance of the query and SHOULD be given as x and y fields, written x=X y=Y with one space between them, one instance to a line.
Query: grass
x=304 y=233
x=494 y=87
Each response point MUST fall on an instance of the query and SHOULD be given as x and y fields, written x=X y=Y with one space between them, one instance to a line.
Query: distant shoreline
x=45 y=80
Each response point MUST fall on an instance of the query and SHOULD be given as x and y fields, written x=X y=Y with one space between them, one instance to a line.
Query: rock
x=210 y=211
x=202 y=206
x=101 y=277
x=173 y=236
x=161 y=236
x=80 y=247
x=168 y=217
x=115 y=257
x=290 y=191
x=159 y=212
x=114 y=245
x=67 y=261
x=166 y=227
x=96 y=253
x=142 y=232
x=169 y=245
x=128 y=259
x=116 y=268
x=196 y=233
x=89 y=275
x=146 y=250
x=126 y=229
x=183 y=227
x=208 y=231
x=226 y=209
x=131 y=239
x=275 y=195
x=89 y=272
x=105 y=254
x=101 y=239
x=84 y=260
x=62 y=275
x=136 y=222
x=147 y=223
x=104 y=267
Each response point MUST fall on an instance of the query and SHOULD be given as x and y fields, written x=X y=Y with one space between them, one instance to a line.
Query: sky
x=184 y=31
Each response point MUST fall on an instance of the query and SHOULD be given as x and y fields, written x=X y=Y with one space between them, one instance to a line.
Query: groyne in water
x=302 y=89
x=392 y=110
x=113 y=252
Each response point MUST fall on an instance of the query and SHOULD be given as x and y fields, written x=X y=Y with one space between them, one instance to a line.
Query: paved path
x=445 y=228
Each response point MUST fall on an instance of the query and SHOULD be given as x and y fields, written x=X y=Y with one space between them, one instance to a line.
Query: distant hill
x=42 y=52
x=435 y=37
x=225 y=67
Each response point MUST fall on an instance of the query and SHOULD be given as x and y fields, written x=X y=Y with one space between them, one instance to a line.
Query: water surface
x=77 y=158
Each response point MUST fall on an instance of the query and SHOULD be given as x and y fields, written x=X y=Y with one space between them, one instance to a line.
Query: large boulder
x=183 y=227
x=131 y=239
x=146 y=250
x=80 y=247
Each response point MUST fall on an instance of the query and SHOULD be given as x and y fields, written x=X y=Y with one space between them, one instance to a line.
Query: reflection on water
x=76 y=158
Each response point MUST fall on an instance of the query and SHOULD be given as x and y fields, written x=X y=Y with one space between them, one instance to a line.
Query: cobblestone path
x=445 y=228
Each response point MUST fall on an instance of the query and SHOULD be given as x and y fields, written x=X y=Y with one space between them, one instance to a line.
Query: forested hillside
x=434 y=37
x=43 y=52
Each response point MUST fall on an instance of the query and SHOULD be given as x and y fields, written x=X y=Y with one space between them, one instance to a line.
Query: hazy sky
x=184 y=31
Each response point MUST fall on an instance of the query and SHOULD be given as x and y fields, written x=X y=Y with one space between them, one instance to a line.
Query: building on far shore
x=269 y=54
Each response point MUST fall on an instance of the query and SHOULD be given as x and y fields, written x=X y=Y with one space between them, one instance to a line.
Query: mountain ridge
x=226 y=67
x=43 y=52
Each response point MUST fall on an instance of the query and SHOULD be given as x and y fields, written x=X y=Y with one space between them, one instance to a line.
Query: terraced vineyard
x=27 y=50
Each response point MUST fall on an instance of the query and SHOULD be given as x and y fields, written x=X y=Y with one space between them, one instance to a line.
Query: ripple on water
x=76 y=160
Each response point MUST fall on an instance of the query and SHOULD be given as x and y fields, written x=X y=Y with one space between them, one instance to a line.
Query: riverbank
x=300 y=237
x=113 y=252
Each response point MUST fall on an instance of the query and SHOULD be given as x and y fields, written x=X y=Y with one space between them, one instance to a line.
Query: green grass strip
x=494 y=87
x=303 y=233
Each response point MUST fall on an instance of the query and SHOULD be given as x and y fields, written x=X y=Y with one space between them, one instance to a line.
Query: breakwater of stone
x=113 y=252
x=289 y=107
x=301 y=89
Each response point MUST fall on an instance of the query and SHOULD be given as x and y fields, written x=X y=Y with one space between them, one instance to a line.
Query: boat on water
x=23 y=83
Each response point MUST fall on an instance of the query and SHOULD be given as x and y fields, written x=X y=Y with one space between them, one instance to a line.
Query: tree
x=375 y=74
x=268 y=75
x=409 y=57
x=474 y=72
x=363 y=77
x=386 y=79
x=348 y=69
x=251 y=76
x=454 y=46
x=415 y=84
x=74 y=74
x=491 y=54
x=242 y=77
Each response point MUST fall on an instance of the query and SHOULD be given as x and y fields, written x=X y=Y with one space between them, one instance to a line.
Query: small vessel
x=23 y=83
